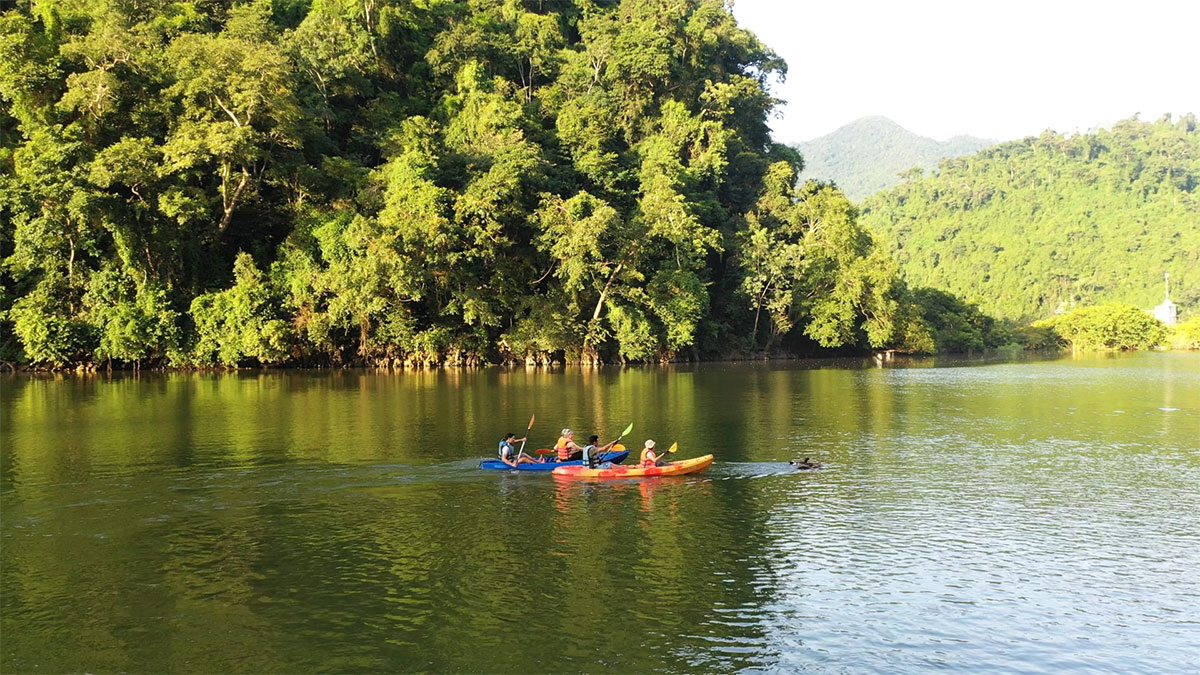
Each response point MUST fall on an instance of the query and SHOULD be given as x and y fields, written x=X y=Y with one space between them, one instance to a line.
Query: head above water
x=567 y=433
x=509 y=435
x=593 y=439
x=649 y=445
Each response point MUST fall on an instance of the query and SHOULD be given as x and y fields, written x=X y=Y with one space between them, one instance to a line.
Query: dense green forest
x=1032 y=227
x=869 y=154
x=324 y=182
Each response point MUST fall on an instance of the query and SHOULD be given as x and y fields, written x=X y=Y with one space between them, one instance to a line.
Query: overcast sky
x=1002 y=69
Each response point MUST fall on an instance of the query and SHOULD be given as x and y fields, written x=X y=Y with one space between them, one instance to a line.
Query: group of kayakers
x=567 y=450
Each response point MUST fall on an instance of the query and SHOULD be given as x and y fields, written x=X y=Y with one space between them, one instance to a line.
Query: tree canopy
x=392 y=181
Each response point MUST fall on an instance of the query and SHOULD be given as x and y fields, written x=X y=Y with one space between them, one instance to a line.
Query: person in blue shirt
x=508 y=453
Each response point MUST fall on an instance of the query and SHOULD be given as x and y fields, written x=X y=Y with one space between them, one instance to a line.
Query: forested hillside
x=1028 y=227
x=868 y=155
x=386 y=182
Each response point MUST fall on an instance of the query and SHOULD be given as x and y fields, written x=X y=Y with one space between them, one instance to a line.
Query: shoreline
x=878 y=359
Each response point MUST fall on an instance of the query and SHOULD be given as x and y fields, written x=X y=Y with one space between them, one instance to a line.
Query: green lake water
x=1040 y=516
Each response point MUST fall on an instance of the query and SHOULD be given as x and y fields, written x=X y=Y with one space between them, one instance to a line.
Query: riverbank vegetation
x=1115 y=327
x=325 y=183
x=1186 y=335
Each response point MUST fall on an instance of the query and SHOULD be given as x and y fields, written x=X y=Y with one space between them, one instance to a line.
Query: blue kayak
x=497 y=465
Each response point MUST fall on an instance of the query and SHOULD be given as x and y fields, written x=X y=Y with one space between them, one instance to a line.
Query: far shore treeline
x=326 y=182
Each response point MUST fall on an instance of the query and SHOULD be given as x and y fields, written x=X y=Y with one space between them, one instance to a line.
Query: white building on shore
x=1167 y=312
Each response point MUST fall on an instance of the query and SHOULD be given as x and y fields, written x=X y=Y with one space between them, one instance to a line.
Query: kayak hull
x=673 y=469
x=497 y=465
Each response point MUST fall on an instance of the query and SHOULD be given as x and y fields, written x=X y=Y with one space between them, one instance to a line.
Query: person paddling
x=649 y=456
x=592 y=451
x=566 y=446
x=508 y=453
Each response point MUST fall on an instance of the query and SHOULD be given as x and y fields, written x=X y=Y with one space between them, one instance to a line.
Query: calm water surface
x=1004 y=517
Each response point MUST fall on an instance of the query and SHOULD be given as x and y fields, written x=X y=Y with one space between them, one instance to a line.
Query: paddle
x=628 y=430
x=616 y=443
x=616 y=449
x=673 y=449
x=545 y=451
x=522 y=450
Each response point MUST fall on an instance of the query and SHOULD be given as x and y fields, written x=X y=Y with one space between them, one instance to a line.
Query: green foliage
x=419 y=183
x=955 y=325
x=1115 y=326
x=873 y=153
x=48 y=329
x=1039 y=336
x=242 y=322
x=1187 y=334
x=806 y=261
x=679 y=299
x=1031 y=227
x=132 y=325
x=633 y=331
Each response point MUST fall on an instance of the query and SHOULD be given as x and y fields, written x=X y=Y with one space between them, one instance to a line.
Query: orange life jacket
x=646 y=461
x=563 y=446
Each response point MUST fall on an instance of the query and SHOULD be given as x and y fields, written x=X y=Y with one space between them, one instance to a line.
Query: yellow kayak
x=672 y=469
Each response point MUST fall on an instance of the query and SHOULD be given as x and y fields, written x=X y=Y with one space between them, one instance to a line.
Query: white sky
x=999 y=69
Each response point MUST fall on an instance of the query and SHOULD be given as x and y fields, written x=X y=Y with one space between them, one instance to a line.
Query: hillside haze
x=1032 y=227
x=868 y=154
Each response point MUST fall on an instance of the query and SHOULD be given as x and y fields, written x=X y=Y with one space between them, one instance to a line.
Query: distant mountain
x=866 y=155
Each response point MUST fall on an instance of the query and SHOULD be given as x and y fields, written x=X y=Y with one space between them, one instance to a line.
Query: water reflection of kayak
x=497 y=465
x=672 y=469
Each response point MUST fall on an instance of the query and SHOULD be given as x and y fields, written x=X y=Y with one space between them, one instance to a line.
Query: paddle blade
x=531 y=418
x=674 y=447
x=628 y=430
x=545 y=451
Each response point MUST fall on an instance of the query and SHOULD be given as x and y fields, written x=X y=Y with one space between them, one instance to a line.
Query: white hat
x=566 y=432
x=649 y=444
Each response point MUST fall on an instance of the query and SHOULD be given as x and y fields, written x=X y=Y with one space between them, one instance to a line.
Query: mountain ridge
x=867 y=155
